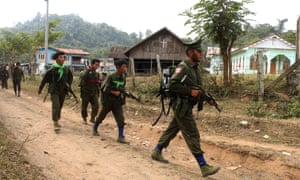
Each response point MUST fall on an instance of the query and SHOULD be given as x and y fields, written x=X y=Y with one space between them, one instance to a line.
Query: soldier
x=112 y=99
x=17 y=76
x=60 y=78
x=89 y=91
x=5 y=76
x=185 y=97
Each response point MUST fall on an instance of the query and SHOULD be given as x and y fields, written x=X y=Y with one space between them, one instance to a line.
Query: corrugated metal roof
x=118 y=52
x=72 y=51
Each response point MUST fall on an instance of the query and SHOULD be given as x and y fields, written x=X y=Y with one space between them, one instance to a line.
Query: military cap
x=194 y=45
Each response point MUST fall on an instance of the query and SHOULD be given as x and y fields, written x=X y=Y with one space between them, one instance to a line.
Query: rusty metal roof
x=72 y=51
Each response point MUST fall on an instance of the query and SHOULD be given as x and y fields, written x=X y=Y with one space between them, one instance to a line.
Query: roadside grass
x=13 y=165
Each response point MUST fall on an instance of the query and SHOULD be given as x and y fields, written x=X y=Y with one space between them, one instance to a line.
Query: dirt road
x=76 y=154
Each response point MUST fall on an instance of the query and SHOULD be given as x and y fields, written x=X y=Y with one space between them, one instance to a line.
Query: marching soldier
x=60 y=79
x=89 y=91
x=185 y=97
x=112 y=99
x=17 y=76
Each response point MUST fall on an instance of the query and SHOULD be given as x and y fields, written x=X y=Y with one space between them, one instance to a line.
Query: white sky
x=138 y=15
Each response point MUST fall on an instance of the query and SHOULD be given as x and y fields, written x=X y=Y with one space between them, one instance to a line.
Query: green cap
x=194 y=45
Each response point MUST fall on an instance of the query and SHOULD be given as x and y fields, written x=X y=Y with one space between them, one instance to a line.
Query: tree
x=15 y=44
x=290 y=36
x=39 y=36
x=148 y=33
x=222 y=21
x=280 y=27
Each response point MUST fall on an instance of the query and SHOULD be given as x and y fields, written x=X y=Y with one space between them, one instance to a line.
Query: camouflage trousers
x=86 y=99
x=57 y=104
x=183 y=121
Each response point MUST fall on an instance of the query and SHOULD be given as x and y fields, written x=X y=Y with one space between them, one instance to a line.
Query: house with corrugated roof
x=278 y=56
x=73 y=57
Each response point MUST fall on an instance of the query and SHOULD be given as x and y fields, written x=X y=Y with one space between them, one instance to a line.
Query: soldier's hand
x=39 y=91
x=116 y=93
x=211 y=102
x=195 y=92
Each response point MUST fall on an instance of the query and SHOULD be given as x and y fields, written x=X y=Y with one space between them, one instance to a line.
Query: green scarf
x=60 y=69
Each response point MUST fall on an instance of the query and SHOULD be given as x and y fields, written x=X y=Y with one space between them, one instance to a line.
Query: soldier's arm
x=175 y=83
x=46 y=79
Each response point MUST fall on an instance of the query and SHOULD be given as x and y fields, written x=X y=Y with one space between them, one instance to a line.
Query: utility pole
x=46 y=33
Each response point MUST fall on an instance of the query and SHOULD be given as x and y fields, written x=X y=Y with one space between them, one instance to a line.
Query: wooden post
x=151 y=68
x=105 y=65
x=158 y=66
x=260 y=75
x=298 y=40
x=131 y=60
x=298 y=51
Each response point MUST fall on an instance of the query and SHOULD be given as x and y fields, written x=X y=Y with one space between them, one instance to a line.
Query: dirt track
x=76 y=154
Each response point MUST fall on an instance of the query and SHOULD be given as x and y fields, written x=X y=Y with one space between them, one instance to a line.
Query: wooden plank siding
x=163 y=43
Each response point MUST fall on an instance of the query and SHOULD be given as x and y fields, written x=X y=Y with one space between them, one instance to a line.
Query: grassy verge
x=12 y=164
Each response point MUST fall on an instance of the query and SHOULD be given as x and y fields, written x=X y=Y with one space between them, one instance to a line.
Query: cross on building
x=164 y=43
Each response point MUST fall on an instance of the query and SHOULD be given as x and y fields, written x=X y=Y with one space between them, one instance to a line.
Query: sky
x=139 y=15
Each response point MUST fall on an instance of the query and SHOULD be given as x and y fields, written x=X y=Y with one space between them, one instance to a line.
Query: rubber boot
x=121 y=138
x=95 y=132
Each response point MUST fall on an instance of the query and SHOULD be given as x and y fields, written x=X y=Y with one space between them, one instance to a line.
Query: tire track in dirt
x=76 y=154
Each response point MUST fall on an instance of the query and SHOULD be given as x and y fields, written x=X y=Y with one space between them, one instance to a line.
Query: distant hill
x=93 y=37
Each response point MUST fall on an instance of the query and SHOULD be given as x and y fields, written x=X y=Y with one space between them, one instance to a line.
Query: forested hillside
x=77 y=33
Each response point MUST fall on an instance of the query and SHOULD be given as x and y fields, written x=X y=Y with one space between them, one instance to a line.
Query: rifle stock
x=207 y=96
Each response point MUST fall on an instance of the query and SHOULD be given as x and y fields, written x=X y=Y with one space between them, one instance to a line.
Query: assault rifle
x=206 y=96
x=128 y=94
x=71 y=91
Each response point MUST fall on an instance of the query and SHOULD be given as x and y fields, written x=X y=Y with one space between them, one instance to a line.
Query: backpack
x=164 y=84
x=164 y=93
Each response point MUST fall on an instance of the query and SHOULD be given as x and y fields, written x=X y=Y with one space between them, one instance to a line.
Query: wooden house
x=163 y=45
x=278 y=56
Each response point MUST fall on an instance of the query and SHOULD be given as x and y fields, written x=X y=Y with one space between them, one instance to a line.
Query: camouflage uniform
x=89 y=89
x=111 y=102
x=184 y=97
x=57 y=88
x=17 y=76
x=4 y=74
x=182 y=106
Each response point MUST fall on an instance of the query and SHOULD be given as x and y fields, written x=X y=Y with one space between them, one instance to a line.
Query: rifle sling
x=163 y=110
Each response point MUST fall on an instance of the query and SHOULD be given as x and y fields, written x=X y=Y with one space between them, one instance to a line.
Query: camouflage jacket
x=90 y=82
x=57 y=85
